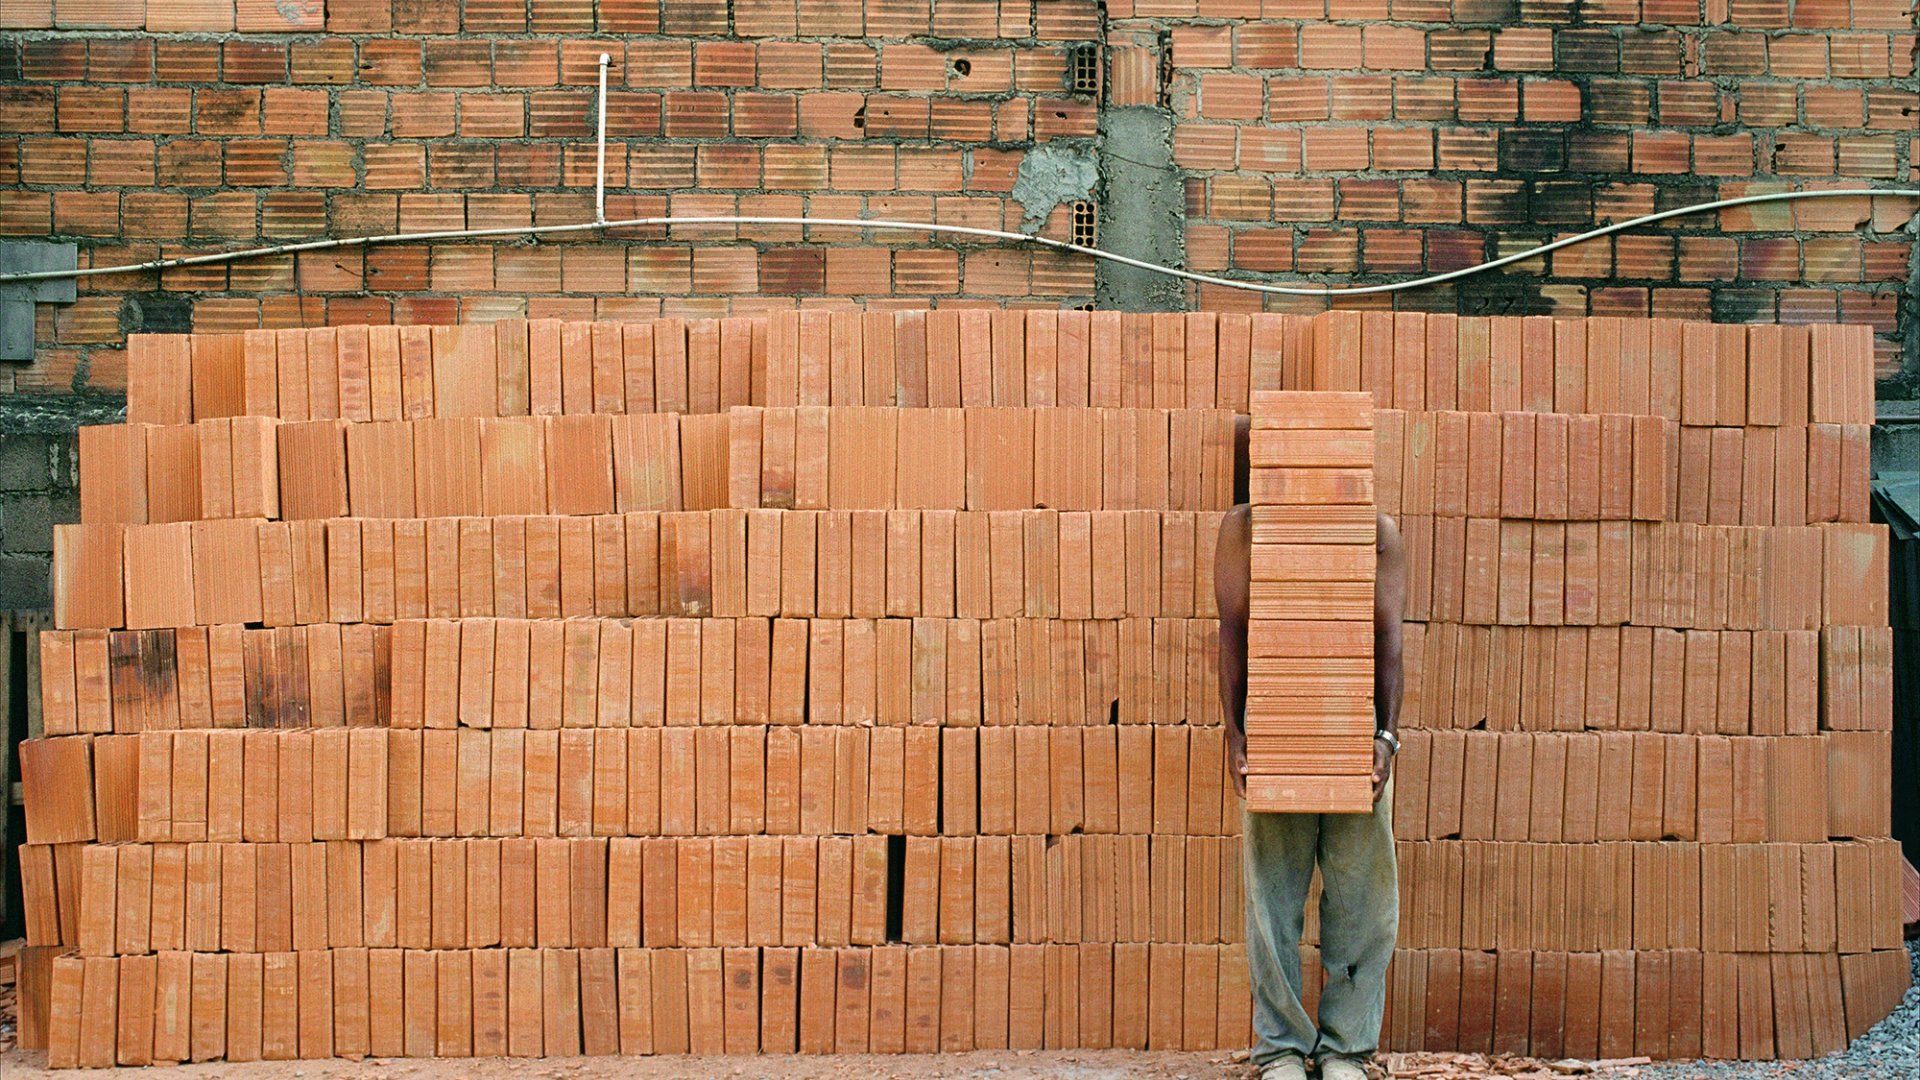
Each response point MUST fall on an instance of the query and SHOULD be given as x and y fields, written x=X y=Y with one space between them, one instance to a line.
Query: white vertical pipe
x=600 y=164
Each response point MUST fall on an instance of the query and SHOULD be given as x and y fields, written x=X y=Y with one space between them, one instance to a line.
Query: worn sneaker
x=1287 y=1067
x=1342 y=1068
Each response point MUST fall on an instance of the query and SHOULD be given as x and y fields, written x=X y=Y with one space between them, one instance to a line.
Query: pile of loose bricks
x=847 y=682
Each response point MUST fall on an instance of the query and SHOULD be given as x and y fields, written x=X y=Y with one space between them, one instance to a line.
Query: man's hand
x=1237 y=759
x=1382 y=766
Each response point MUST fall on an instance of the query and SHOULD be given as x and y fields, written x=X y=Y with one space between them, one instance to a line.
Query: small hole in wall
x=963 y=67
x=896 y=887
x=1083 y=69
x=1085 y=221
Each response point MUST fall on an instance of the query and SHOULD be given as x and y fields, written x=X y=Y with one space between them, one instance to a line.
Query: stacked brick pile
x=1644 y=799
x=846 y=683
x=496 y=723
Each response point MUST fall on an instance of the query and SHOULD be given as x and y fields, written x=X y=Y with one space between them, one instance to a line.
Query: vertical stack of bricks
x=1310 y=610
x=847 y=682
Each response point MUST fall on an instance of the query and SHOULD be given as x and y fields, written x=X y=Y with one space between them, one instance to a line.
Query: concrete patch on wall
x=1052 y=174
x=1142 y=210
x=58 y=414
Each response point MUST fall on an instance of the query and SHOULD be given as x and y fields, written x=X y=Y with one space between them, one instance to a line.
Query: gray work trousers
x=1359 y=919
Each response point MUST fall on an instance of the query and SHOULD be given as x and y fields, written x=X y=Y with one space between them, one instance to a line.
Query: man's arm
x=1231 y=568
x=1389 y=607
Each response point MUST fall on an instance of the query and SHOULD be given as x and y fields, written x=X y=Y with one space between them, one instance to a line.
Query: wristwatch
x=1392 y=741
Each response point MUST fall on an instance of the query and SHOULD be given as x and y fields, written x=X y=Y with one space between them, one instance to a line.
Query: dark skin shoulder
x=1233 y=555
x=1232 y=573
x=1389 y=611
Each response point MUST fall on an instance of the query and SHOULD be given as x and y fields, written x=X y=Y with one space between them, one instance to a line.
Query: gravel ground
x=1890 y=1050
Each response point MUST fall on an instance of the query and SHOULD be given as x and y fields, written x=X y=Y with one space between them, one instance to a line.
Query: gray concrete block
x=26 y=521
x=26 y=583
x=26 y=462
x=1896 y=437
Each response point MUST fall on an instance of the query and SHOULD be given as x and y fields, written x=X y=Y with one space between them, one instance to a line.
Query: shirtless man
x=1360 y=901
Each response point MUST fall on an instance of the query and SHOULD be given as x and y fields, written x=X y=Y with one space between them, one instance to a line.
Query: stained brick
x=1459 y=49
x=561 y=17
x=457 y=63
x=433 y=17
x=690 y=17
x=388 y=62
x=359 y=16
x=1368 y=200
x=793 y=271
x=1616 y=101
x=223 y=215
x=253 y=62
x=526 y=63
x=562 y=113
x=493 y=16
x=326 y=61
x=765 y=18
x=1239 y=198
x=53 y=60
x=1269 y=150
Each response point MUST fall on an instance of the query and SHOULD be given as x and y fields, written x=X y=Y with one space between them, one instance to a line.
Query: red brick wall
x=1386 y=139
x=1403 y=136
